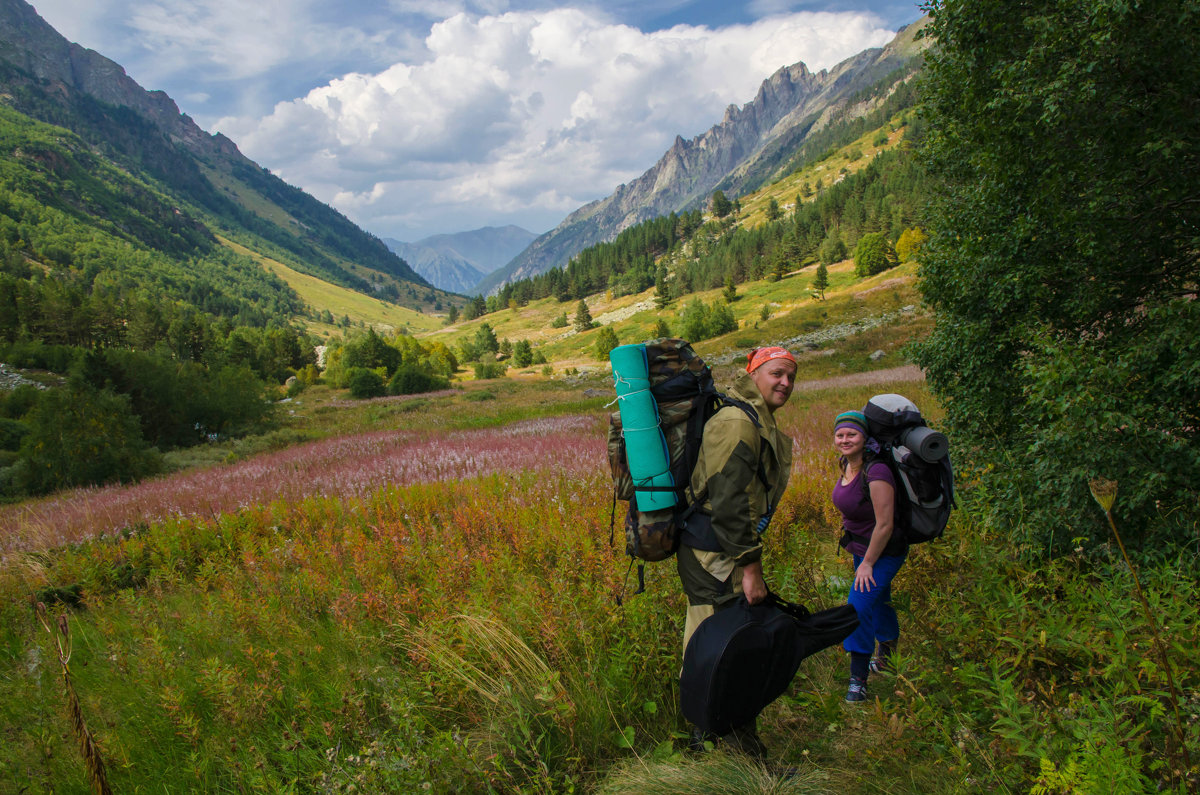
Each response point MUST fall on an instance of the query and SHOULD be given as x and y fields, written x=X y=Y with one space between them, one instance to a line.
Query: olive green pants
x=711 y=581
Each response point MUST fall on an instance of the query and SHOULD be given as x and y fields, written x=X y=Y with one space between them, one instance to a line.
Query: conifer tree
x=583 y=318
x=721 y=206
x=606 y=340
x=821 y=282
x=662 y=291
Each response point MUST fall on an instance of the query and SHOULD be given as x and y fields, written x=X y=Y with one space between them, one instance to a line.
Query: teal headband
x=851 y=419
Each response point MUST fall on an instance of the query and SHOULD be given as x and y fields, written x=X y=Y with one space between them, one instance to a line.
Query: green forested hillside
x=309 y=234
x=870 y=183
x=160 y=335
x=104 y=235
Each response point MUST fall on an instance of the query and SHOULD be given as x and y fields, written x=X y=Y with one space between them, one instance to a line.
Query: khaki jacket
x=727 y=478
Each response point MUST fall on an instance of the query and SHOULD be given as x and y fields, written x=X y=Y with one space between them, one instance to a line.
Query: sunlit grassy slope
x=792 y=312
x=321 y=295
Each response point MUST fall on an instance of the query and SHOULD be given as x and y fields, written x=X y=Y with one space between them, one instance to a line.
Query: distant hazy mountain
x=459 y=261
x=201 y=179
x=751 y=146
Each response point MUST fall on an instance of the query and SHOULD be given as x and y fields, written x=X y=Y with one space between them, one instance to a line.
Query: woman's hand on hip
x=864 y=577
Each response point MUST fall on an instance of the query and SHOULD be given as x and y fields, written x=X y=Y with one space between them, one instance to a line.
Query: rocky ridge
x=790 y=104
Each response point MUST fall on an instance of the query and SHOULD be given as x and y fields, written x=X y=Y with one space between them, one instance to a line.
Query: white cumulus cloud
x=524 y=116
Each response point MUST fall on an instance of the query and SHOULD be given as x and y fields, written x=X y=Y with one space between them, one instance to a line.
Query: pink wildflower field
x=353 y=466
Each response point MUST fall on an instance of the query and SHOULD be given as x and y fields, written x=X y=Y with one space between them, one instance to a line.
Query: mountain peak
x=780 y=115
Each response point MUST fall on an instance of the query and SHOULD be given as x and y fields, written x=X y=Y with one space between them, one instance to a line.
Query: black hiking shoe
x=745 y=740
x=857 y=690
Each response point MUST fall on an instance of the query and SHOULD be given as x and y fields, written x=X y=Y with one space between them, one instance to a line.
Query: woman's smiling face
x=848 y=441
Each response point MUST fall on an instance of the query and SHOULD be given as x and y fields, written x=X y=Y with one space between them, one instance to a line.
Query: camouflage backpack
x=682 y=387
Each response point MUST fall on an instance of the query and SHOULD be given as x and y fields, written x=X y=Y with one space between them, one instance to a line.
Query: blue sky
x=419 y=117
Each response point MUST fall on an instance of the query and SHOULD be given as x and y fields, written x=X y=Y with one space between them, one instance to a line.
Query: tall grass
x=437 y=610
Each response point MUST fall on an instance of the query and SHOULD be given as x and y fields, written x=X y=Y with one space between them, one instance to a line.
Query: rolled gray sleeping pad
x=926 y=443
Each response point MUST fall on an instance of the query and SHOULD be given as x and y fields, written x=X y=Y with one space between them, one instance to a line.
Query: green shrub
x=365 y=383
x=80 y=436
x=17 y=403
x=486 y=370
x=38 y=356
x=411 y=380
x=873 y=254
x=11 y=433
x=606 y=340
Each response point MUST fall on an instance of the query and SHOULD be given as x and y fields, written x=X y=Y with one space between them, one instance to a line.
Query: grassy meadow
x=430 y=599
x=384 y=316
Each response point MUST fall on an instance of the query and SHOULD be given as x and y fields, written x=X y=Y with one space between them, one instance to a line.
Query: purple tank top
x=858 y=515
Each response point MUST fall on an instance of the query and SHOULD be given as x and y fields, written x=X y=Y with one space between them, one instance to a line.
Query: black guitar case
x=743 y=657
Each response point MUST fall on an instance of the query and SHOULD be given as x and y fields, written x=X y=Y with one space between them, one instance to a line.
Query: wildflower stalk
x=87 y=743
x=1104 y=492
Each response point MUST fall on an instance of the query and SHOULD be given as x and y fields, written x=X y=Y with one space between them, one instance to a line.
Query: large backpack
x=919 y=458
x=684 y=398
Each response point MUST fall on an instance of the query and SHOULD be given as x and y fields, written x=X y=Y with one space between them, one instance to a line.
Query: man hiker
x=738 y=480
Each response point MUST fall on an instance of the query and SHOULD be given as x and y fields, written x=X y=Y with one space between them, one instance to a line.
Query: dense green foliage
x=118 y=404
x=77 y=437
x=873 y=254
x=412 y=379
x=606 y=340
x=720 y=204
x=1064 y=258
x=371 y=366
x=699 y=321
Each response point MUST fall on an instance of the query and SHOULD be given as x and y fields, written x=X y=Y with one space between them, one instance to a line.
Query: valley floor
x=430 y=598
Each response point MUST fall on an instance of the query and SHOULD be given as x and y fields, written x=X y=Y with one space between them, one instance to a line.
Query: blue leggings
x=876 y=618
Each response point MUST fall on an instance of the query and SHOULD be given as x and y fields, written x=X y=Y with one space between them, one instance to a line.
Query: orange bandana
x=760 y=356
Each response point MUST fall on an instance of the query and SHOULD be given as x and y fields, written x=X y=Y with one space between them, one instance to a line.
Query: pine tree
x=662 y=291
x=583 y=318
x=821 y=283
x=721 y=206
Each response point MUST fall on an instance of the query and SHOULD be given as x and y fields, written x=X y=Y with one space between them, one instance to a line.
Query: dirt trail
x=908 y=372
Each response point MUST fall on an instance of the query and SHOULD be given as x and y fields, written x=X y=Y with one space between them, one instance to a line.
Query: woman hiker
x=739 y=478
x=865 y=495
